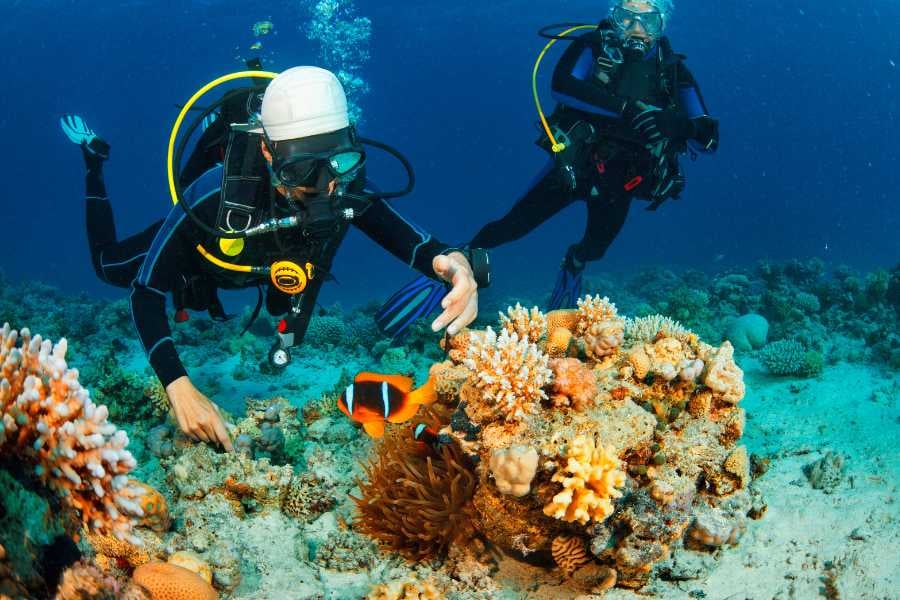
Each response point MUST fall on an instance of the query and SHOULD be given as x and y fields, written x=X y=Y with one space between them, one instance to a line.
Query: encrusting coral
x=591 y=480
x=83 y=581
x=50 y=422
x=574 y=384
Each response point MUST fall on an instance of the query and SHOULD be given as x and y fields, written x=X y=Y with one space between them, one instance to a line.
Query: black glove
x=655 y=125
x=95 y=152
x=706 y=132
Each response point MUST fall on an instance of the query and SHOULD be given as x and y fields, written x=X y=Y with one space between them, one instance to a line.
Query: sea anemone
x=416 y=500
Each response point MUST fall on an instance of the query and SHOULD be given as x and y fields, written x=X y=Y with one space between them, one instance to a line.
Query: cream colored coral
x=508 y=373
x=530 y=325
x=411 y=589
x=667 y=350
x=645 y=329
x=738 y=464
x=604 y=338
x=590 y=479
x=640 y=362
x=192 y=562
x=724 y=377
x=513 y=469
x=593 y=310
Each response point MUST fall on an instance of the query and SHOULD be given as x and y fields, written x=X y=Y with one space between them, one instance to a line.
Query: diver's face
x=298 y=193
x=634 y=28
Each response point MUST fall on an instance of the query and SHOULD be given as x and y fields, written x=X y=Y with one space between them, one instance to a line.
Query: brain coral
x=166 y=581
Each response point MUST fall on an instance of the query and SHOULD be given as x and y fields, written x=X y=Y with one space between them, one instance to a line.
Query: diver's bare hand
x=197 y=416
x=461 y=302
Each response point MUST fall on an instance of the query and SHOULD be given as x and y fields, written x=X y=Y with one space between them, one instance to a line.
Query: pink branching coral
x=509 y=373
x=573 y=384
x=49 y=421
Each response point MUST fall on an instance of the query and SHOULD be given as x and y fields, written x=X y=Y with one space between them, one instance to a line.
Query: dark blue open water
x=806 y=94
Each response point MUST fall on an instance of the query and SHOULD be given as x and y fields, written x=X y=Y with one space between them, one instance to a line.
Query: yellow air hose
x=556 y=146
x=170 y=155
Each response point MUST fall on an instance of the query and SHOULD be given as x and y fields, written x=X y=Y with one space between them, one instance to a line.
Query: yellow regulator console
x=291 y=278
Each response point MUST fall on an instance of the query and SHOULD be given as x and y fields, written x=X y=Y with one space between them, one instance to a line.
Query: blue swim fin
x=413 y=301
x=568 y=288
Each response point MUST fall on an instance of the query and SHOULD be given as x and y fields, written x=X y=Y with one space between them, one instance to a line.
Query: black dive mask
x=301 y=162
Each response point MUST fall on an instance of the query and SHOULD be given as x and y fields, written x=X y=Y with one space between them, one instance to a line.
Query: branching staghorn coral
x=590 y=479
x=415 y=500
x=646 y=329
x=593 y=310
x=508 y=373
x=529 y=325
x=49 y=421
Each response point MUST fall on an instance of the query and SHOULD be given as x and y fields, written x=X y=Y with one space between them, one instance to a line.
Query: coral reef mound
x=628 y=473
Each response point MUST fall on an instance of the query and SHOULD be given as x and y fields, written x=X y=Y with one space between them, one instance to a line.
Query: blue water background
x=806 y=93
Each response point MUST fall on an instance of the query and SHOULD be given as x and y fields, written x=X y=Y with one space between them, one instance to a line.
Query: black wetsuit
x=163 y=259
x=614 y=166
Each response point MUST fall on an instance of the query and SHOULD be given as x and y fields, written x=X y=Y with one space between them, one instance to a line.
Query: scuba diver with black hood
x=268 y=209
x=627 y=107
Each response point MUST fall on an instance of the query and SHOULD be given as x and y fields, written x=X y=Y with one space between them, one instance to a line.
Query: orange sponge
x=166 y=581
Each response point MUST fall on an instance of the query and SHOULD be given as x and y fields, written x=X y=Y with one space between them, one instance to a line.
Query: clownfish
x=428 y=437
x=373 y=398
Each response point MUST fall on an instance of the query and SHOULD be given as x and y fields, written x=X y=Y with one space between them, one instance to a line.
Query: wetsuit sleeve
x=399 y=236
x=691 y=102
x=168 y=264
x=573 y=87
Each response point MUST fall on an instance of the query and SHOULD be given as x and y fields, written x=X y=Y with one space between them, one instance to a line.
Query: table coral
x=50 y=421
x=591 y=479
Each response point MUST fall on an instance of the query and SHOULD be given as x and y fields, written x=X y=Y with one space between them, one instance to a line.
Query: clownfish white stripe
x=348 y=395
x=419 y=429
x=385 y=399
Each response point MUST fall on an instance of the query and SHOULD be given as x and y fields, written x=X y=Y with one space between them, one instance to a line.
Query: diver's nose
x=638 y=27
